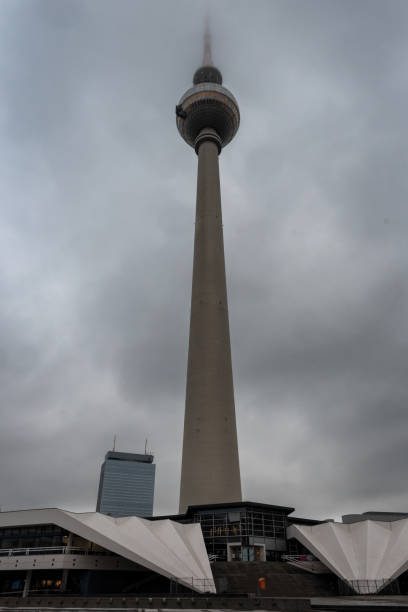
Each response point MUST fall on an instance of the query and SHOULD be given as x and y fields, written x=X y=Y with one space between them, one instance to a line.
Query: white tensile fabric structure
x=170 y=549
x=367 y=555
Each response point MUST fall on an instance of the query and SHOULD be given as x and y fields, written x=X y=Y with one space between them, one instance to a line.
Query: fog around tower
x=96 y=243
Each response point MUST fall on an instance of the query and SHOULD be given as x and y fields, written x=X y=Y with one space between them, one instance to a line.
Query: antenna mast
x=207 y=61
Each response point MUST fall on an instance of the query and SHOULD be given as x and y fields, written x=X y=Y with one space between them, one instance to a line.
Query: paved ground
x=275 y=604
x=45 y=609
x=364 y=604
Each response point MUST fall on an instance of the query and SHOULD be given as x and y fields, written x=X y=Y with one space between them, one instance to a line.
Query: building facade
x=126 y=484
x=246 y=531
x=241 y=531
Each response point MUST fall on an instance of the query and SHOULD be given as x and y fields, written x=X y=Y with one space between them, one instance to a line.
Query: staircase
x=282 y=579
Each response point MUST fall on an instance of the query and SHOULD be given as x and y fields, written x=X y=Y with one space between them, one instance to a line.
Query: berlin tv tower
x=208 y=119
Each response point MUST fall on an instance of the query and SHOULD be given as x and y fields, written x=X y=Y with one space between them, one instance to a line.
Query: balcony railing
x=50 y=550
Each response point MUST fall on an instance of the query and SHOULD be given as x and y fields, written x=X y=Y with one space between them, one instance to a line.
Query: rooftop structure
x=368 y=555
x=208 y=119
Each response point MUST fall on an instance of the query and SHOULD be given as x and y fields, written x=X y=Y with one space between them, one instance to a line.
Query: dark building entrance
x=244 y=531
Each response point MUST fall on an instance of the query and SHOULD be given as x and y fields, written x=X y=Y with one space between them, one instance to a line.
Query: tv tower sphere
x=207 y=106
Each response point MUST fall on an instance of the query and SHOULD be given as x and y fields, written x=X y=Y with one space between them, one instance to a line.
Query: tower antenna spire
x=207 y=60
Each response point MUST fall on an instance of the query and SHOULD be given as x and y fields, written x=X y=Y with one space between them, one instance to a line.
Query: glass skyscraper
x=126 y=485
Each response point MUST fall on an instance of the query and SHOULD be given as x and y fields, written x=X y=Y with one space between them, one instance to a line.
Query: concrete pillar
x=68 y=544
x=84 y=583
x=210 y=464
x=64 y=580
x=27 y=583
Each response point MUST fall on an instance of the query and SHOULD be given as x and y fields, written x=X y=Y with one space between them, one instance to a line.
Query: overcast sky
x=97 y=198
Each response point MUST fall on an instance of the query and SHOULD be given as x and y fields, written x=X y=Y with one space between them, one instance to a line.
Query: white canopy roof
x=170 y=549
x=368 y=554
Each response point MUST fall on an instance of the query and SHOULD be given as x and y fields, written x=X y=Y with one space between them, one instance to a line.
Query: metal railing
x=306 y=562
x=299 y=558
x=50 y=550
x=204 y=584
x=368 y=587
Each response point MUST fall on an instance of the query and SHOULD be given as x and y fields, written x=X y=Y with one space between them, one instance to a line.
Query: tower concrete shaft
x=210 y=465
